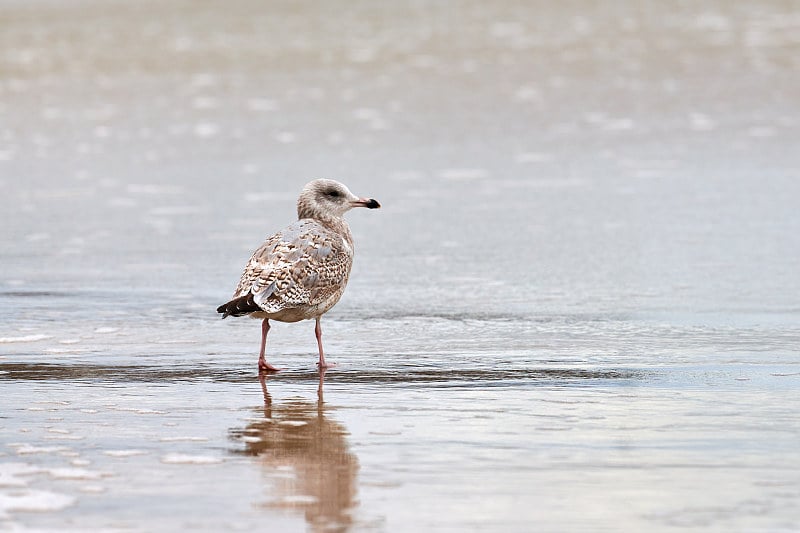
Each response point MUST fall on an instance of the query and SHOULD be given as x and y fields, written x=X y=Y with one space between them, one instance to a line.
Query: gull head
x=328 y=198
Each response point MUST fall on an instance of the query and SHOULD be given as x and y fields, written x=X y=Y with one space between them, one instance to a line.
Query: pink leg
x=318 y=332
x=263 y=366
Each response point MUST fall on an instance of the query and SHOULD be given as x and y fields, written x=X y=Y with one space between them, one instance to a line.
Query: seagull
x=300 y=272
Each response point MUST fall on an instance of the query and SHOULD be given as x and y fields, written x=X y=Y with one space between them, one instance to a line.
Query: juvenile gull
x=300 y=272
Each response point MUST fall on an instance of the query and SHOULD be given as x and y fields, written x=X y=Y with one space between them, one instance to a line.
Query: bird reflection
x=307 y=455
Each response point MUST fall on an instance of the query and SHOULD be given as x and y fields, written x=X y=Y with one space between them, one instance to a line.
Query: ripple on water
x=400 y=375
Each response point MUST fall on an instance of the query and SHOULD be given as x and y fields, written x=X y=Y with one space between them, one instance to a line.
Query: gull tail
x=239 y=306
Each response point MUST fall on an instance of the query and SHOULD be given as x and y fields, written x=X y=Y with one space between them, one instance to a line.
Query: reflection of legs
x=263 y=366
x=320 y=392
x=262 y=378
x=318 y=332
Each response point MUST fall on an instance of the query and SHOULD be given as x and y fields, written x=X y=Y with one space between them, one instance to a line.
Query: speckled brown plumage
x=300 y=272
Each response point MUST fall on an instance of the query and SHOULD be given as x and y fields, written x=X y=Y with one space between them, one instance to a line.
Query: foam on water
x=124 y=453
x=188 y=459
x=25 y=338
x=76 y=473
x=10 y=473
x=30 y=449
x=28 y=500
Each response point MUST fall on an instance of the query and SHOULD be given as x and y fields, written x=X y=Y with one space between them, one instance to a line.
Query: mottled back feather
x=306 y=265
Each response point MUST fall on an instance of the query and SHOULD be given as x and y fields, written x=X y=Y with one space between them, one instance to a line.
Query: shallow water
x=577 y=309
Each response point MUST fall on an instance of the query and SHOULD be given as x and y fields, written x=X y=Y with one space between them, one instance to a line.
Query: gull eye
x=333 y=193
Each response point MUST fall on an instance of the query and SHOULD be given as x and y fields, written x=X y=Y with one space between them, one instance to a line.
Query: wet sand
x=576 y=311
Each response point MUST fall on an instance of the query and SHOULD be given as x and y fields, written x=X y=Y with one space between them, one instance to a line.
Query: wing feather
x=304 y=264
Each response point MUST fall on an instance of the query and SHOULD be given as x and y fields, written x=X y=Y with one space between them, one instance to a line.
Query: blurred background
x=621 y=154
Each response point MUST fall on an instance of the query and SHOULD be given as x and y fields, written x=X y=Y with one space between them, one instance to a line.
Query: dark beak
x=369 y=203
